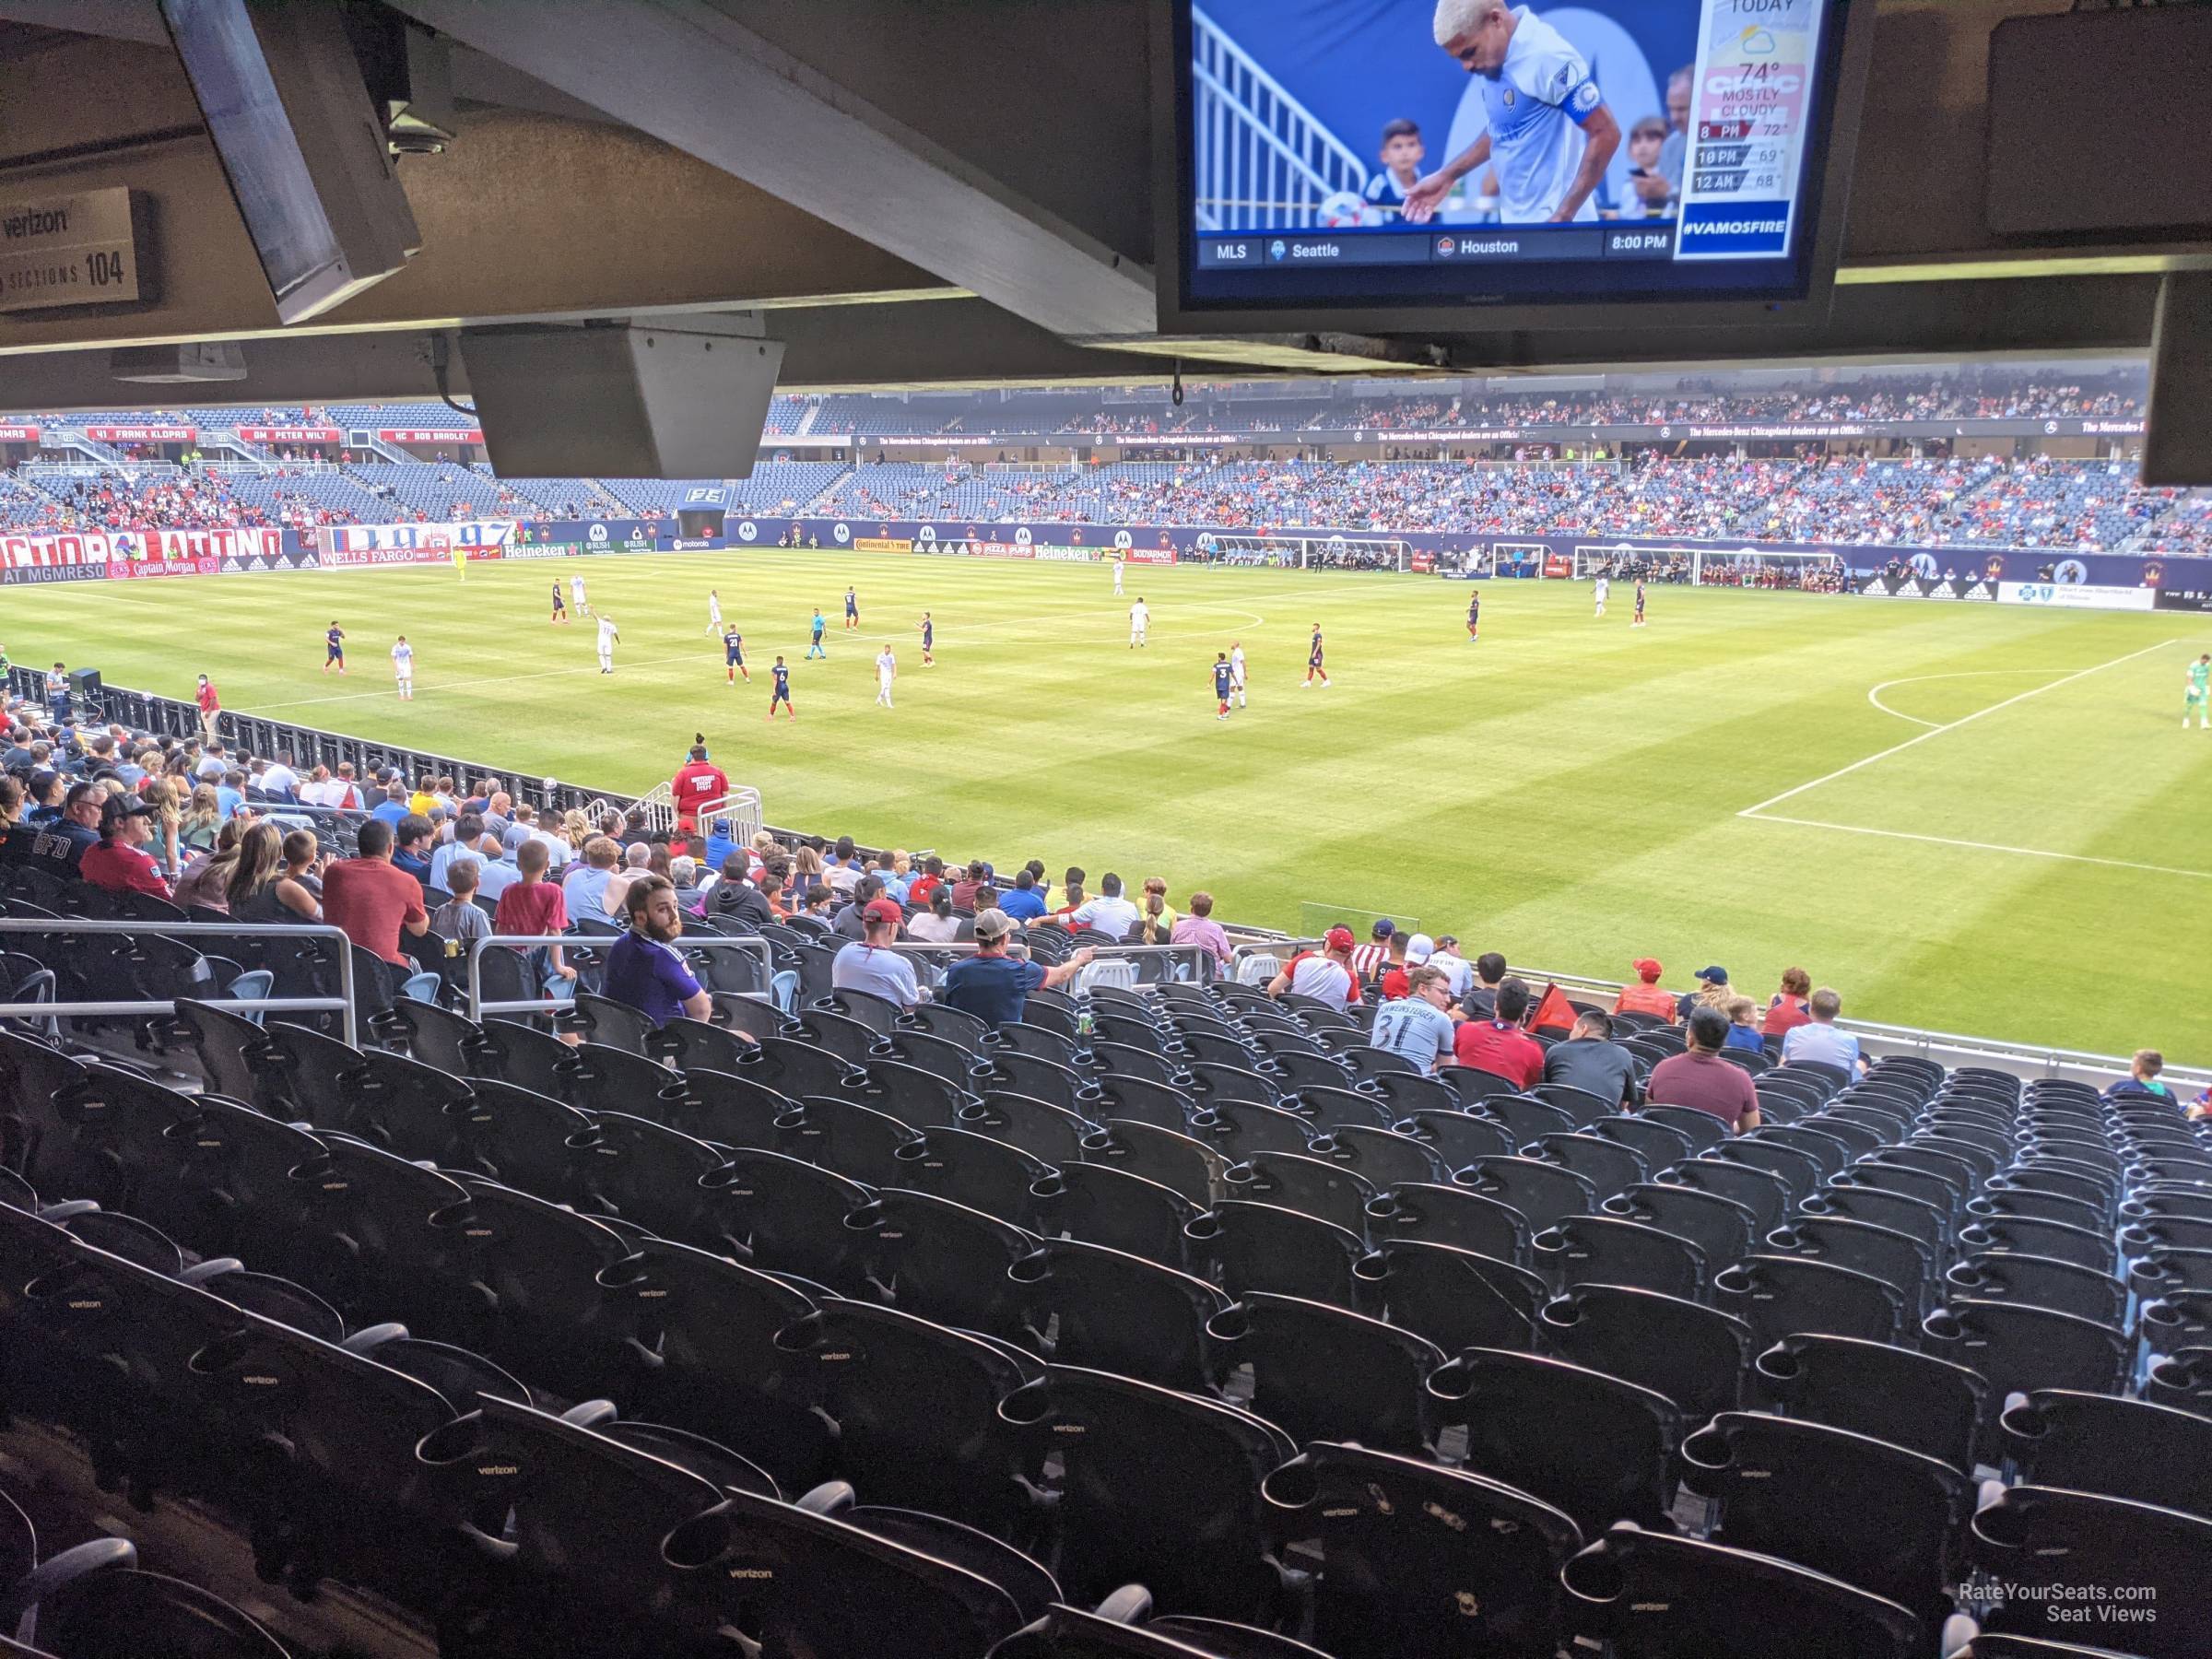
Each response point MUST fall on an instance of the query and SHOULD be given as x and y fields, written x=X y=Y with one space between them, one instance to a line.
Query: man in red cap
x=1327 y=978
x=1645 y=997
x=872 y=965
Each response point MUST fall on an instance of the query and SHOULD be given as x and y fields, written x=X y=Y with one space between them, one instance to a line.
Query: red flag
x=1553 y=1009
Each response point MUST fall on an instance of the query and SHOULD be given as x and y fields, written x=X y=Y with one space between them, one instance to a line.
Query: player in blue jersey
x=1549 y=135
x=733 y=655
x=929 y=640
x=560 y=605
x=1313 y=660
x=1474 y=616
x=781 y=691
x=1637 y=621
x=815 y=650
x=1224 y=682
x=334 y=649
x=851 y=609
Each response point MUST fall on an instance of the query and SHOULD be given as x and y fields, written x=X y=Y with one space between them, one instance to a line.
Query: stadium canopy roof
x=911 y=193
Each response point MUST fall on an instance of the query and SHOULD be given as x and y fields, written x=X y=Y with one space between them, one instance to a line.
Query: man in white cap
x=1326 y=977
x=994 y=985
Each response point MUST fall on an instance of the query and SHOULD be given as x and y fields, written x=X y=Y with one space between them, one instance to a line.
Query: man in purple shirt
x=644 y=970
x=1199 y=928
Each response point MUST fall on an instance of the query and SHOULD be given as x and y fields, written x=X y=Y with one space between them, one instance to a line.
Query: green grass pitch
x=1977 y=820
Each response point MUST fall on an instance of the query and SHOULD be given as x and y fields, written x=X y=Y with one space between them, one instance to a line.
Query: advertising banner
x=2060 y=596
x=624 y=536
x=1072 y=555
x=183 y=546
x=18 y=434
x=537 y=549
x=470 y=533
x=87 y=550
x=999 y=549
x=883 y=543
x=1150 y=555
x=337 y=559
x=133 y=570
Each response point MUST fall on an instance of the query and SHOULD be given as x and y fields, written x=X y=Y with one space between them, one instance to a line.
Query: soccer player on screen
x=1551 y=134
x=2199 y=694
x=1402 y=153
x=1313 y=660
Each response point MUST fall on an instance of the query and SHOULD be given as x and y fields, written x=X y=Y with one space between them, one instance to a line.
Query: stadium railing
x=139 y=1009
x=479 y=1007
x=1195 y=957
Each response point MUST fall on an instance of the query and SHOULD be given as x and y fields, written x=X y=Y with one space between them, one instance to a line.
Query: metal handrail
x=1201 y=958
x=479 y=1007
x=342 y=1002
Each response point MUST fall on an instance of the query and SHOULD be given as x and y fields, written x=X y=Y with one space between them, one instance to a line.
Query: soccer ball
x=1342 y=210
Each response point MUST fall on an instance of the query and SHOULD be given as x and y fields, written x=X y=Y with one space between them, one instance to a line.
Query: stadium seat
x=2051 y=1546
x=1189 y=1168
x=948 y=1263
x=1323 y=1373
x=1695 y=1356
x=1609 y=1249
x=1250 y=1247
x=2040 y=1281
x=1893 y=1257
x=1543 y=1193
x=2022 y=1347
x=1313 y=1186
x=1429 y=1213
x=1455 y=1297
x=1721 y=1227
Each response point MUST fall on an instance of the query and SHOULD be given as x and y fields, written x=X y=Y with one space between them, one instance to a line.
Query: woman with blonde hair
x=259 y=889
x=161 y=797
x=805 y=870
x=1157 y=918
x=575 y=828
x=202 y=819
x=205 y=884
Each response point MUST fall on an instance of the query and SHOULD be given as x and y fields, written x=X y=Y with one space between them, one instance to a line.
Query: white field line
x=1875 y=695
x=1944 y=841
x=1843 y=771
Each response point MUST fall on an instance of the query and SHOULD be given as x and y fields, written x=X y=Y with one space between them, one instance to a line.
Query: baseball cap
x=1384 y=928
x=1418 y=950
x=1713 y=976
x=886 y=911
x=992 y=924
x=119 y=807
x=1339 y=938
x=1647 y=969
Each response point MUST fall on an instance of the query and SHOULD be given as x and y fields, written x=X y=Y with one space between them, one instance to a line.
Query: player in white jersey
x=1117 y=578
x=608 y=634
x=576 y=596
x=714 y=611
x=1236 y=673
x=402 y=668
x=886 y=670
x=1598 y=589
x=1139 y=616
x=1550 y=132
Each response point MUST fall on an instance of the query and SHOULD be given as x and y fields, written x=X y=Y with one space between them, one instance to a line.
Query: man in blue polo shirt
x=1024 y=903
x=995 y=986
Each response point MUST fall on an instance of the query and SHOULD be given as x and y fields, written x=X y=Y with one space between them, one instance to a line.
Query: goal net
x=1308 y=552
x=1751 y=568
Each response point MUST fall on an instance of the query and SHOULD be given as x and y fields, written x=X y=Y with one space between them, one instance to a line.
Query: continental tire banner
x=883 y=543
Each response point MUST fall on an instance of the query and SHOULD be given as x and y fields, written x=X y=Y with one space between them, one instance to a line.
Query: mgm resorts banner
x=137 y=555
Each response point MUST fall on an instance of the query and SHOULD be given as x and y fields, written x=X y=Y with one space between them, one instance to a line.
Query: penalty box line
x=1763 y=815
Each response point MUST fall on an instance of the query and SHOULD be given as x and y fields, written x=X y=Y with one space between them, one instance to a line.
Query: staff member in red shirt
x=117 y=863
x=697 y=783
x=1499 y=1045
x=210 y=706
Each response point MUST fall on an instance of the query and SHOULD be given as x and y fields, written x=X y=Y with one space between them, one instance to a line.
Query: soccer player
x=852 y=610
x=461 y=559
x=886 y=670
x=815 y=650
x=1224 y=682
x=1313 y=660
x=2200 y=693
x=781 y=691
x=1118 y=562
x=1236 y=671
x=1637 y=621
x=402 y=668
x=714 y=611
x=733 y=655
x=1474 y=616
x=608 y=634
x=1140 y=616
x=1550 y=133
x=929 y=641
x=576 y=596
x=333 y=648
x=1599 y=589
x=560 y=605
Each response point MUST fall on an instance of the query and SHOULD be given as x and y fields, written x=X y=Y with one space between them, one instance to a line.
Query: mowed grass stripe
x=1566 y=790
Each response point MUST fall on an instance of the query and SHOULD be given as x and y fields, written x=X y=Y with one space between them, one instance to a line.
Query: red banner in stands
x=433 y=435
x=18 y=434
x=63 y=555
x=263 y=434
x=142 y=434
x=142 y=553
x=138 y=570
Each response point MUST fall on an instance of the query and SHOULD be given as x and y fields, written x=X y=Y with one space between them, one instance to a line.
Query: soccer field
x=1979 y=820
